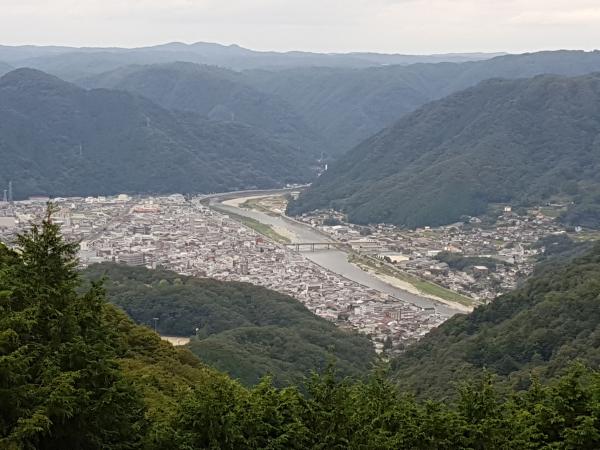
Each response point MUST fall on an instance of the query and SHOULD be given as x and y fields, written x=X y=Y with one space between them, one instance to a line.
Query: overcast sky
x=398 y=26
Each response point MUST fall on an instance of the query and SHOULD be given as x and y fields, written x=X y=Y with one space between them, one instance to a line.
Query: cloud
x=588 y=16
x=408 y=26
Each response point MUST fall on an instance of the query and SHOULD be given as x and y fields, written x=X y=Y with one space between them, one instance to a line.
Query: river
x=333 y=260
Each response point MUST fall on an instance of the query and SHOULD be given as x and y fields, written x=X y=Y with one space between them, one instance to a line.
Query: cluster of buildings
x=189 y=238
x=506 y=249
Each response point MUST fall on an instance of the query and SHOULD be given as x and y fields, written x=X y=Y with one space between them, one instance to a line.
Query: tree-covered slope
x=503 y=141
x=5 y=68
x=541 y=327
x=76 y=373
x=59 y=139
x=244 y=330
x=349 y=105
x=215 y=93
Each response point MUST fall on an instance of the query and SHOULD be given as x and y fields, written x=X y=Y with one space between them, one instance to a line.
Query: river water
x=334 y=260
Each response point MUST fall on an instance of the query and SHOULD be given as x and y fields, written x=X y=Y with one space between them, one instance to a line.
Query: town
x=476 y=260
x=188 y=237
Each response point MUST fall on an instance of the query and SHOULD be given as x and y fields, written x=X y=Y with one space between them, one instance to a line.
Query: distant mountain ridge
x=213 y=92
x=342 y=98
x=5 y=68
x=517 y=142
x=348 y=106
x=59 y=139
x=230 y=56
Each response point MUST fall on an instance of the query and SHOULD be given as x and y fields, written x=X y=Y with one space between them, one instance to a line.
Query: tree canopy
x=520 y=142
x=61 y=140
x=541 y=327
x=76 y=373
x=244 y=330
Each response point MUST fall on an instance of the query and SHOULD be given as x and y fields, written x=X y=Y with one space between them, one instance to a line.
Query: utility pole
x=155 y=322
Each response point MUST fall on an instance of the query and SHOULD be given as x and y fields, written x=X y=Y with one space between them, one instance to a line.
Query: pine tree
x=60 y=384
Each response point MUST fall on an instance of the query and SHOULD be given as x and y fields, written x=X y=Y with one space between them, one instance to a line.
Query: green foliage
x=76 y=373
x=60 y=384
x=212 y=92
x=459 y=262
x=244 y=330
x=4 y=68
x=540 y=327
x=518 y=142
x=60 y=140
x=347 y=106
x=375 y=415
x=585 y=209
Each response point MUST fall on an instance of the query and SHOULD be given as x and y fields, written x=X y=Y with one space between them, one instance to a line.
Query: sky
x=391 y=26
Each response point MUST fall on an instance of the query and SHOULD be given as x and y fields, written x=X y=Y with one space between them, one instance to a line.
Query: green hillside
x=4 y=68
x=244 y=330
x=61 y=140
x=216 y=93
x=308 y=97
x=541 y=328
x=348 y=105
x=75 y=373
x=517 y=142
x=328 y=102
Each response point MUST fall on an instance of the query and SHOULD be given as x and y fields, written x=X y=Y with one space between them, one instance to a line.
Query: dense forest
x=238 y=328
x=343 y=98
x=347 y=106
x=76 y=373
x=200 y=128
x=215 y=93
x=519 y=142
x=4 y=68
x=61 y=140
x=539 y=328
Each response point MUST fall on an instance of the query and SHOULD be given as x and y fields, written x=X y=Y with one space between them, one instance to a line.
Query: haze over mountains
x=293 y=110
x=59 y=139
x=348 y=106
x=412 y=141
x=520 y=142
x=4 y=68
x=216 y=93
x=71 y=62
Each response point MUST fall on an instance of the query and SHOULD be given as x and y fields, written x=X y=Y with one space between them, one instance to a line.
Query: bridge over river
x=330 y=255
x=314 y=246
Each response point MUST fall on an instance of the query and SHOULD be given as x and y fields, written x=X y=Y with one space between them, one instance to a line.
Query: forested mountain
x=59 y=139
x=343 y=99
x=71 y=62
x=216 y=93
x=77 y=374
x=350 y=105
x=244 y=330
x=540 y=328
x=5 y=68
x=503 y=141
